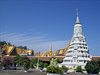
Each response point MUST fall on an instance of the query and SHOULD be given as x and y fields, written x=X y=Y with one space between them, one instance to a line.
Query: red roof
x=48 y=58
x=95 y=58
x=44 y=58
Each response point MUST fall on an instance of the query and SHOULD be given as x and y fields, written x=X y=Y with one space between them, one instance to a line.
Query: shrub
x=64 y=67
x=1 y=64
x=83 y=69
x=41 y=65
x=36 y=60
x=15 y=60
x=78 y=69
x=33 y=61
x=53 y=62
x=35 y=64
x=99 y=63
x=31 y=65
x=92 y=67
x=6 y=62
x=25 y=65
x=58 y=61
x=54 y=70
x=45 y=65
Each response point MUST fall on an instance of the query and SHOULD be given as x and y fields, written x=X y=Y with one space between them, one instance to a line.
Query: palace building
x=7 y=50
x=46 y=54
x=78 y=52
x=62 y=52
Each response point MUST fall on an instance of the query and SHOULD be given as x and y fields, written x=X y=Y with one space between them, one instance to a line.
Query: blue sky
x=39 y=23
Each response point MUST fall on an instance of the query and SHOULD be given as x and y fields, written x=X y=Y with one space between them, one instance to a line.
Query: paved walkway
x=20 y=71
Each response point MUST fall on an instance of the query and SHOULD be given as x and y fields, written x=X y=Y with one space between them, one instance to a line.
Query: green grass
x=82 y=69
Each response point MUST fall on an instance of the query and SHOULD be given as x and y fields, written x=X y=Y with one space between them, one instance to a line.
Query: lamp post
x=38 y=61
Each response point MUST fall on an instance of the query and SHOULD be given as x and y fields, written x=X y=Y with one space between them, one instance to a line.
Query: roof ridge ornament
x=77 y=21
x=77 y=11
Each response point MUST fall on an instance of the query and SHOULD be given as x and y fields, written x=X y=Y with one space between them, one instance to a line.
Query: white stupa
x=78 y=52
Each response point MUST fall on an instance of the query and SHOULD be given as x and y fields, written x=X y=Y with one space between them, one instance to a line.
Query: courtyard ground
x=20 y=71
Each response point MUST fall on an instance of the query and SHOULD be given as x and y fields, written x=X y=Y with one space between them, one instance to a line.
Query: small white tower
x=78 y=52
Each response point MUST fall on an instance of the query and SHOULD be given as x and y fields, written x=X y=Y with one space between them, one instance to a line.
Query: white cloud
x=37 y=43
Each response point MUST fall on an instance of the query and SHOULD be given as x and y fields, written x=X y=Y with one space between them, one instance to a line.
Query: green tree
x=98 y=62
x=45 y=65
x=25 y=47
x=2 y=43
x=36 y=60
x=92 y=67
x=31 y=65
x=79 y=69
x=55 y=58
x=25 y=61
x=9 y=44
x=41 y=65
x=16 y=60
x=33 y=61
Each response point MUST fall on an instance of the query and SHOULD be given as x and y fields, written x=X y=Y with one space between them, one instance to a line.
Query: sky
x=39 y=23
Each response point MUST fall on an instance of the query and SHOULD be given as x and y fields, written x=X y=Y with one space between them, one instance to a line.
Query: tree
x=9 y=44
x=53 y=62
x=25 y=61
x=98 y=62
x=16 y=60
x=33 y=61
x=6 y=62
x=25 y=47
x=92 y=67
x=36 y=60
x=79 y=69
x=2 y=43
x=45 y=65
x=31 y=65
x=41 y=65
x=55 y=58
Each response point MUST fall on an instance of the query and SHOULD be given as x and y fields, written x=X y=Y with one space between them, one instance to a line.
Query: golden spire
x=45 y=50
x=50 y=48
x=68 y=42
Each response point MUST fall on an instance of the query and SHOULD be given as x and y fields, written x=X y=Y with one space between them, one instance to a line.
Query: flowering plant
x=6 y=62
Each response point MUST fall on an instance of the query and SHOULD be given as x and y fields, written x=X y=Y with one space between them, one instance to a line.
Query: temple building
x=46 y=54
x=78 y=52
x=7 y=50
x=62 y=52
x=27 y=52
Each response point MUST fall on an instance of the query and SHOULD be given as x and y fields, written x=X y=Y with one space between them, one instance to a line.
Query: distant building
x=62 y=52
x=27 y=53
x=7 y=50
x=46 y=54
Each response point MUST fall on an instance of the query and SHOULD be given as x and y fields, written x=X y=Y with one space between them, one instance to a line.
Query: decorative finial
x=50 y=44
x=77 y=11
x=77 y=21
